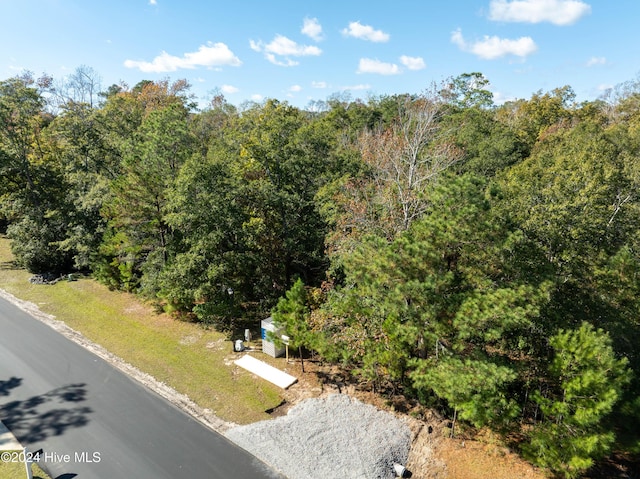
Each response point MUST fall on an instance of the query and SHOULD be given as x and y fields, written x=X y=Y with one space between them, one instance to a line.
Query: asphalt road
x=92 y=421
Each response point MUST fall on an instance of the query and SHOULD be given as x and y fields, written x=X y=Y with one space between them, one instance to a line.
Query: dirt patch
x=218 y=344
x=477 y=460
x=136 y=308
x=189 y=339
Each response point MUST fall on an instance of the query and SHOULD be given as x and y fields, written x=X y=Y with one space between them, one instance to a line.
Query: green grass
x=193 y=360
x=16 y=470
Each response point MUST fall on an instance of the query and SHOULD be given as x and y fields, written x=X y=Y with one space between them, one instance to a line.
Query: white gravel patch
x=335 y=436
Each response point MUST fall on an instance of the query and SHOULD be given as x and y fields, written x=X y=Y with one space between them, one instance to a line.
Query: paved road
x=92 y=421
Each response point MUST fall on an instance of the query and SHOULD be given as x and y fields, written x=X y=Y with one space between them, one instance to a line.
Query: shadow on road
x=8 y=385
x=50 y=414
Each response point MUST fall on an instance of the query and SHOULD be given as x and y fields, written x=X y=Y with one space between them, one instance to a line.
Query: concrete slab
x=8 y=441
x=266 y=371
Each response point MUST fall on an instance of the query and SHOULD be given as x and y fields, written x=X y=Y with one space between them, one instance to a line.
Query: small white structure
x=265 y=371
x=268 y=346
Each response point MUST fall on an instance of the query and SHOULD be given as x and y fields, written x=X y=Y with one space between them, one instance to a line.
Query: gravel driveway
x=335 y=436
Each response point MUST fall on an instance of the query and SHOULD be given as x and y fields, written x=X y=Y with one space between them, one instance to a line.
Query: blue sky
x=303 y=50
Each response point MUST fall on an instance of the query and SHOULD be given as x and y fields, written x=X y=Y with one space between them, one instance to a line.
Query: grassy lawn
x=193 y=360
x=16 y=470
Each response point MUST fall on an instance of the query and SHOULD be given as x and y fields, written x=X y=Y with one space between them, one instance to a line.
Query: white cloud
x=365 y=32
x=413 y=63
x=210 y=55
x=361 y=86
x=257 y=97
x=490 y=48
x=311 y=27
x=295 y=88
x=593 y=61
x=319 y=84
x=458 y=39
x=558 y=12
x=255 y=46
x=367 y=65
x=282 y=46
x=153 y=2
x=500 y=98
x=288 y=62
x=228 y=89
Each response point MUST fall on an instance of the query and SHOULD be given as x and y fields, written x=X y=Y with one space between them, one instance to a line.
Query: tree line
x=480 y=258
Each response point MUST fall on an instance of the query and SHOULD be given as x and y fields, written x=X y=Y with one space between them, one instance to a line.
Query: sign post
x=285 y=340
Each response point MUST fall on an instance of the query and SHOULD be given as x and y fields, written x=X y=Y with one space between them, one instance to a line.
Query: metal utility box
x=268 y=346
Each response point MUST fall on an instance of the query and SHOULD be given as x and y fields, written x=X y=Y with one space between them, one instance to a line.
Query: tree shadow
x=8 y=385
x=616 y=466
x=39 y=417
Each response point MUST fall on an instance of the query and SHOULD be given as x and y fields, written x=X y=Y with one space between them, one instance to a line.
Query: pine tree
x=587 y=383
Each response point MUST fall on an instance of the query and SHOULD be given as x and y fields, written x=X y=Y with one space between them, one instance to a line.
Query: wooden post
x=285 y=340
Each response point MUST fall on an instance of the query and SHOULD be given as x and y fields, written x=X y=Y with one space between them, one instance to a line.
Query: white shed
x=268 y=346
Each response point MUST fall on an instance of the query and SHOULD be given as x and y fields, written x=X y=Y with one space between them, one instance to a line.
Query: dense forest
x=480 y=258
